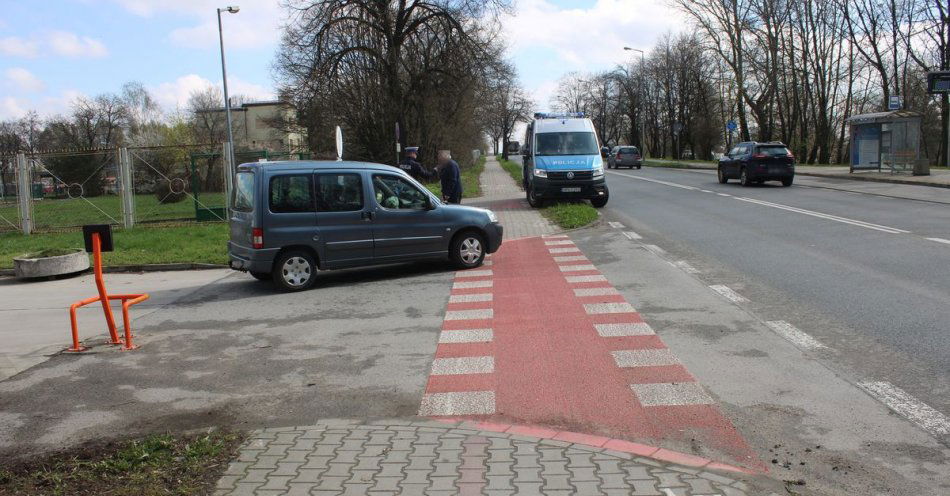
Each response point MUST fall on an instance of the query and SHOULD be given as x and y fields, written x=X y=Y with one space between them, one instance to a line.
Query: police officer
x=414 y=168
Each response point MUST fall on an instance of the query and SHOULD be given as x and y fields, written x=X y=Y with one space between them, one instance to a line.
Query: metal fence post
x=228 y=178
x=24 y=193
x=125 y=188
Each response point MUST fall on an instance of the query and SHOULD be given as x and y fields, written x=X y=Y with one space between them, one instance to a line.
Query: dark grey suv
x=291 y=219
x=754 y=163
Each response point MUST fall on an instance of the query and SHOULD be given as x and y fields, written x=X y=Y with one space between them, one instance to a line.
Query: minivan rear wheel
x=468 y=250
x=295 y=270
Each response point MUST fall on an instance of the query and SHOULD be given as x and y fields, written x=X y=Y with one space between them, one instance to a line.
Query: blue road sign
x=894 y=103
x=732 y=126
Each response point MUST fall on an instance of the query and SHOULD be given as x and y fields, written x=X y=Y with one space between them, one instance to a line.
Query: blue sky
x=52 y=51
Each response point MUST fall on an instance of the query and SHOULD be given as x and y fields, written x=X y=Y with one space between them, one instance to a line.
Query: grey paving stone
x=587 y=488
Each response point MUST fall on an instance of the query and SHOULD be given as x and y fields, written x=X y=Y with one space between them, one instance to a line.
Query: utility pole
x=233 y=9
x=643 y=122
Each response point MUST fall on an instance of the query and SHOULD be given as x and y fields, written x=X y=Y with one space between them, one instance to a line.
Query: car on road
x=624 y=156
x=514 y=148
x=290 y=219
x=562 y=160
x=754 y=163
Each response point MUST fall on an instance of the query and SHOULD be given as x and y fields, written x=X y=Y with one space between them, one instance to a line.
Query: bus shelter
x=885 y=141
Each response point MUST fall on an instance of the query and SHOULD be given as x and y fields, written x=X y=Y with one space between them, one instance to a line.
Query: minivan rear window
x=243 y=200
x=629 y=149
x=579 y=143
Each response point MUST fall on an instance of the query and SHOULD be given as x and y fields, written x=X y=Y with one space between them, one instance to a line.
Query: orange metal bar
x=127 y=301
x=101 y=286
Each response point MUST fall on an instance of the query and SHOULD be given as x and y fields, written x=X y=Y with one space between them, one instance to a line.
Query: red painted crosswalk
x=540 y=337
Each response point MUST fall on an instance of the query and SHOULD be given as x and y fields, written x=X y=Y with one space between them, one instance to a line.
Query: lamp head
x=233 y=9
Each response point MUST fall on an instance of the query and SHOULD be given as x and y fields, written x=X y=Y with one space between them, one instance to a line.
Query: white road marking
x=843 y=220
x=554 y=236
x=618 y=330
x=592 y=278
x=793 y=334
x=671 y=394
x=576 y=268
x=472 y=284
x=470 y=298
x=918 y=412
x=602 y=308
x=487 y=263
x=666 y=183
x=644 y=358
x=572 y=249
x=685 y=266
x=467 y=336
x=728 y=293
x=655 y=249
x=466 y=403
x=558 y=242
x=481 y=313
x=572 y=258
x=463 y=365
x=724 y=194
x=616 y=225
x=473 y=273
x=706 y=191
x=632 y=235
x=940 y=240
x=579 y=292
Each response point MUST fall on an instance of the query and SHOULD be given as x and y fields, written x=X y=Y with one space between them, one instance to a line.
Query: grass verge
x=156 y=464
x=514 y=169
x=196 y=243
x=471 y=188
x=571 y=215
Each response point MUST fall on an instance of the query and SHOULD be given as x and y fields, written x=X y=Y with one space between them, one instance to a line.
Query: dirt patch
x=179 y=464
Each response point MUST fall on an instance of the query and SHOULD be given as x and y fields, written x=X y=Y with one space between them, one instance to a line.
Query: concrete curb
x=895 y=180
x=606 y=443
x=143 y=268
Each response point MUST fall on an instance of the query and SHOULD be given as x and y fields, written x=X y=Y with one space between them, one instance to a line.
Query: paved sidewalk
x=405 y=457
x=505 y=198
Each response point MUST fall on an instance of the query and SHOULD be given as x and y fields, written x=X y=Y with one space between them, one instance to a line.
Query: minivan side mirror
x=430 y=205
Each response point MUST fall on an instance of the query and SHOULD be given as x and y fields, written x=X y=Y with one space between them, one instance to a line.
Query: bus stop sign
x=938 y=82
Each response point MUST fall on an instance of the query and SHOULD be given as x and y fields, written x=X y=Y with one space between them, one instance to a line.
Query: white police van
x=562 y=160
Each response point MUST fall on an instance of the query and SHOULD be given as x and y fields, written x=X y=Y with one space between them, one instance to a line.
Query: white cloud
x=24 y=80
x=71 y=45
x=11 y=108
x=17 y=47
x=174 y=95
x=585 y=39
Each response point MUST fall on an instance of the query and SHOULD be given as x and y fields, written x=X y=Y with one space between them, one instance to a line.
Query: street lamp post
x=233 y=9
x=643 y=124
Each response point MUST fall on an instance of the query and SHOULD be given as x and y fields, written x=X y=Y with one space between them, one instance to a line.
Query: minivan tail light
x=760 y=155
x=257 y=238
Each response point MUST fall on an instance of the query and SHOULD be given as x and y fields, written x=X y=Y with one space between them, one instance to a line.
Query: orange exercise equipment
x=94 y=235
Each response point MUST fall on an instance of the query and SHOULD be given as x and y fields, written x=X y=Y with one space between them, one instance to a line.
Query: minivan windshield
x=575 y=143
x=244 y=192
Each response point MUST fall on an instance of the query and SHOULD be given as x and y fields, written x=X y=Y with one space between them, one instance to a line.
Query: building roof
x=877 y=117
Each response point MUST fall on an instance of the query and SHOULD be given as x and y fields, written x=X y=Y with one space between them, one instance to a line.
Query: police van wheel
x=533 y=200
x=600 y=201
x=295 y=270
x=468 y=250
x=261 y=276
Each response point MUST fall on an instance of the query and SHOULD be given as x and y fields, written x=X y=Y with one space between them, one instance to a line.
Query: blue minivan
x=291 y=219
x=562 y=160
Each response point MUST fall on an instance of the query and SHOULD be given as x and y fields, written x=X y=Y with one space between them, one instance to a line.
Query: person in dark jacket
x=450 y=177
x=413 y=167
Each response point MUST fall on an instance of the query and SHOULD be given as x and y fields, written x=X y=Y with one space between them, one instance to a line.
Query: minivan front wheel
x=295 y=270
x=468 y=250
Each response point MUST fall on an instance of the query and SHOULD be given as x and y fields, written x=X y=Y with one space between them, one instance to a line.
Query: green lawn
x=470 y=185
x=195 y=243
x=157 y=464
x=514 y=169
x=571 y=215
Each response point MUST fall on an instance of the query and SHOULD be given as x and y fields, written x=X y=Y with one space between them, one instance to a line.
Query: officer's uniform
x=414 y=168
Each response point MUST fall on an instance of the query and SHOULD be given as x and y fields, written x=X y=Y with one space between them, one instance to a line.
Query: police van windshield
x=579 y=143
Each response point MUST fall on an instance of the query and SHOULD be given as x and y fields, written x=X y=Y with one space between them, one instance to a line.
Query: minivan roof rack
x=558 y=115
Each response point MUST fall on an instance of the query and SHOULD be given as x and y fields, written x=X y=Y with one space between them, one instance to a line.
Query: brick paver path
x=505 y=198
x=344 y=457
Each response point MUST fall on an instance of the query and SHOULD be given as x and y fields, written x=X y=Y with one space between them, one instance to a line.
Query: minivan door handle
x=367 y=215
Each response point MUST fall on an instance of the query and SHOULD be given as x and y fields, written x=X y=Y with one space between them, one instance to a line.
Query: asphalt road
x=858 y=272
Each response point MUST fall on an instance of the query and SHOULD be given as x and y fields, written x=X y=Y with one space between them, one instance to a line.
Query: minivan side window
x=397 y=193
x=243 y=200
x=339 y=192
x=291 y=194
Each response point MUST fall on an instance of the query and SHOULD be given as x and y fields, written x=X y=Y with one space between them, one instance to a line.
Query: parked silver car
x=624 y=156
x=291 y=219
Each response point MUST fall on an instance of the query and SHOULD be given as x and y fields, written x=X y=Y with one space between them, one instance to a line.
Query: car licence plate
x=570 y=190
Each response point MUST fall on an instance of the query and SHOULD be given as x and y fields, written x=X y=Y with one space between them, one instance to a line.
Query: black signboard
x=938 y=82
x=105 y=236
